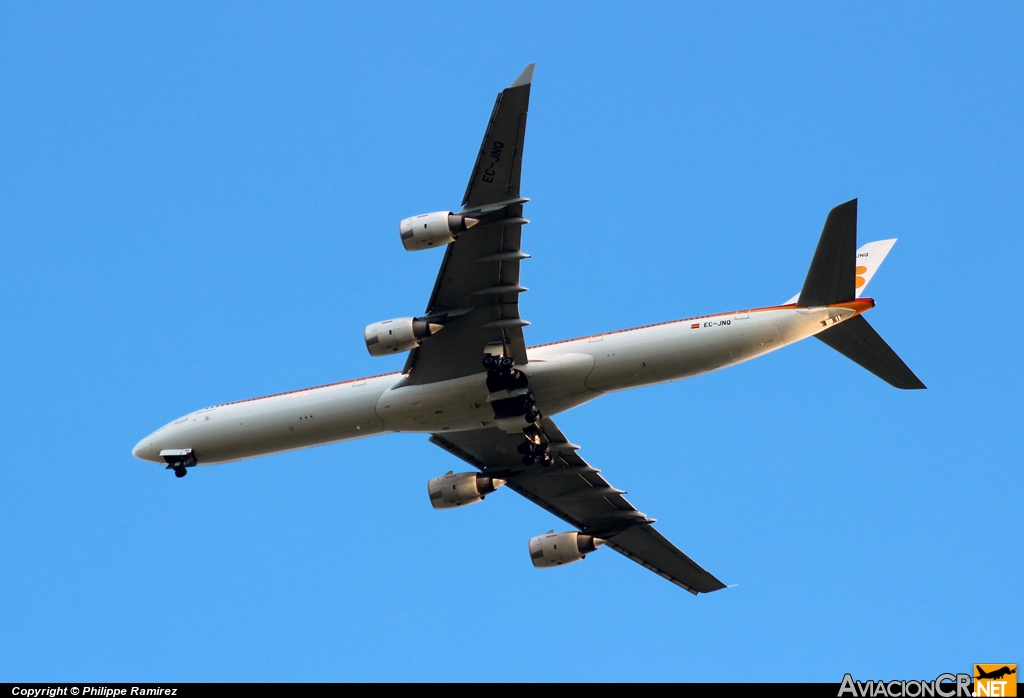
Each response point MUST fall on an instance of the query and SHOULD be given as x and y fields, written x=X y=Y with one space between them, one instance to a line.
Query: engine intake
x=457 y=489
x=554 y=549
x=433 y=229
x=400 y=334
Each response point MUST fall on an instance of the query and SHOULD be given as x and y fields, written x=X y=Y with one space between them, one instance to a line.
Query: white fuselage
x=561 y=376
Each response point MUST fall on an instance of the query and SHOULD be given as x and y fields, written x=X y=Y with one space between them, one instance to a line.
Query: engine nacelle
x=433 y=229
x=456 y=489
x=554 y=549
x=401 y=334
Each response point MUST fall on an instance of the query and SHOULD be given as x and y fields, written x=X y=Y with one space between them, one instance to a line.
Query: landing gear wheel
x=532 y=415
x=180 y=471
x=546 y=460
x=505 y=362
x=490 y=361
x=529 y=460
x=525 y=448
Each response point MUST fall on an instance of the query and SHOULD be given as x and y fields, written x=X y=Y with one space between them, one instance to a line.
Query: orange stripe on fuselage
x=302 y=390
x=859 y=305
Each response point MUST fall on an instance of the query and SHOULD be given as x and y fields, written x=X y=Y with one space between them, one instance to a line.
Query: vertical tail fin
x=839 y=273
x=870 y=256
x=832 y=275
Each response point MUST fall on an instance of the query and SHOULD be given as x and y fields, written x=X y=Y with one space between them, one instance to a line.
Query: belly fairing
x=455 y=405
x=556 y=381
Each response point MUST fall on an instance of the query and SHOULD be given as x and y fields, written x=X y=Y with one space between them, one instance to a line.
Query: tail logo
x=861 y=271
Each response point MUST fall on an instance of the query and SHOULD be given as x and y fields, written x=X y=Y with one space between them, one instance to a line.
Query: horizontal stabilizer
x=857 y=340
x=832 y=276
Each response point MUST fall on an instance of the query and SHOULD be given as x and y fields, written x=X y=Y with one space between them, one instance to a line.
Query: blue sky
x=200 y=204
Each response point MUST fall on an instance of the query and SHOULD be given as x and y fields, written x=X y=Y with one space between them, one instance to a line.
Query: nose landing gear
x=179 y=460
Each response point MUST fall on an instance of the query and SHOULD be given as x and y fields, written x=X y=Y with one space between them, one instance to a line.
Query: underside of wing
x=499 y=164
x=476 y=295
x=575 y=492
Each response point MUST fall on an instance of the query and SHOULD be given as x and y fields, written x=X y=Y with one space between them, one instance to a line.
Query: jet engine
x=401 y=334
x=456 y=489
x=554 y=549
x=433 y=229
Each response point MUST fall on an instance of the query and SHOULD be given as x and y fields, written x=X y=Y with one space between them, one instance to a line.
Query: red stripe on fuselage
x=860 y=305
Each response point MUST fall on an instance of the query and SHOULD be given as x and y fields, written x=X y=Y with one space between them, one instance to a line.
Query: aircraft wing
x=476 y=294
x=576 y=493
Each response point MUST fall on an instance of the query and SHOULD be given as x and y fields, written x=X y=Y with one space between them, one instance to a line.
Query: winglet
x=525 y=77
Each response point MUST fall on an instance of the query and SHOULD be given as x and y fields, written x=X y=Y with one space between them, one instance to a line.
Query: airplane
x=473 y=385
x=995 y=674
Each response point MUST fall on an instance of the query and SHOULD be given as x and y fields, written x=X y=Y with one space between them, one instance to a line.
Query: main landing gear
x=535 y=450
x=503 y=376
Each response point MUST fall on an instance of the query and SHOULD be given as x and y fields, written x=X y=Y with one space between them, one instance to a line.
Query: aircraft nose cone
x=145 y=451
